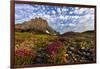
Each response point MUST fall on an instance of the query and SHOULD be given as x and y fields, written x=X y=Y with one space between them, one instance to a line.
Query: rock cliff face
x=37 y=25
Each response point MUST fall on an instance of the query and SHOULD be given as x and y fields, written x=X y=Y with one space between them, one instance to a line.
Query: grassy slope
x=26 y=36
x=41 y=41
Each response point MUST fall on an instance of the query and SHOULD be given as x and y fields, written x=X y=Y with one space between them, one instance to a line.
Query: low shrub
x=24 y=56
x=56 y=53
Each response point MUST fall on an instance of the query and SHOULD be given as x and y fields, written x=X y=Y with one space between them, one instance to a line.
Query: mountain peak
x=37 y=25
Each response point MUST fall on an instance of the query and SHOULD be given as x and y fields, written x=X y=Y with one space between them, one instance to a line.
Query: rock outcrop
x=37 y=25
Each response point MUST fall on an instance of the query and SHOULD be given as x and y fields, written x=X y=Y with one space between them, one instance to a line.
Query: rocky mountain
x=71 y=33
x=37 y=25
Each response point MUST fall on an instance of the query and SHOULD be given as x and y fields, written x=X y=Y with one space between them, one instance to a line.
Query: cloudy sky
x=60 y=18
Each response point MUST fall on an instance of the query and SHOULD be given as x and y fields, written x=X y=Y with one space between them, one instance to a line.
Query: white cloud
x=53 y=12
x=58 y=10
x=71 y=24
x=64 y=9
x=61 y=17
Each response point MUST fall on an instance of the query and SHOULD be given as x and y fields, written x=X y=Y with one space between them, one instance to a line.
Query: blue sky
x=60 y=18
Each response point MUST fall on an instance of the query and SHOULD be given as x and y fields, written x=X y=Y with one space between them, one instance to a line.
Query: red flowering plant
x=56 y=53
x=24 y=56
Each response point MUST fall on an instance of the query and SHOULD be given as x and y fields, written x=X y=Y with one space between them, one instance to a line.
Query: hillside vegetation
x=33 y=45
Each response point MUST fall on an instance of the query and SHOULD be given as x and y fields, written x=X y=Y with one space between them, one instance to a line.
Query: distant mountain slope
x=89 y=31
x=37 y=25
x=78 y=33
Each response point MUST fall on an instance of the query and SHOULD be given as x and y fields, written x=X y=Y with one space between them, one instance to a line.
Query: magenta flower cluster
x=21 y=52
x=52 y=48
